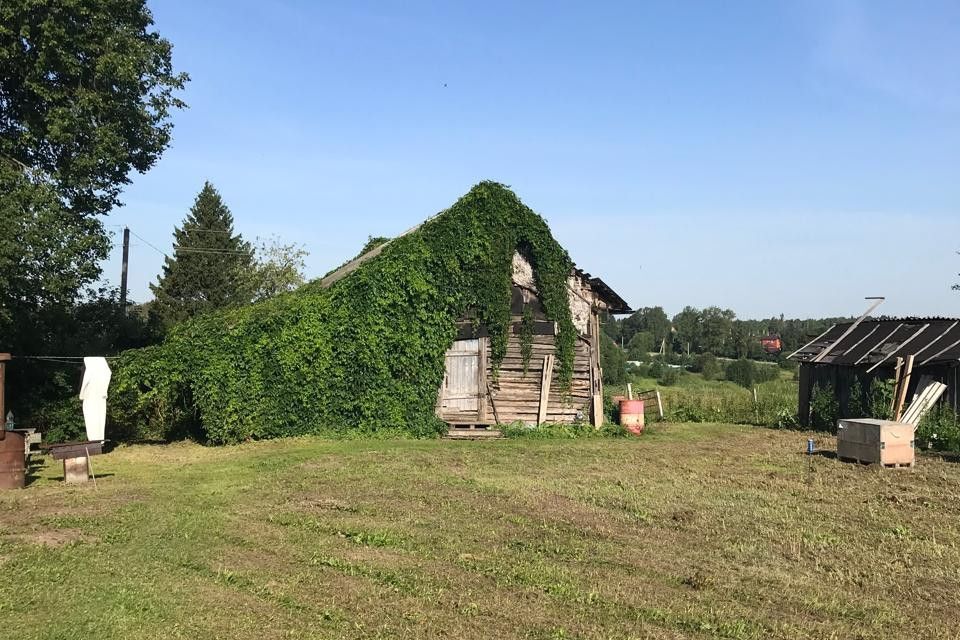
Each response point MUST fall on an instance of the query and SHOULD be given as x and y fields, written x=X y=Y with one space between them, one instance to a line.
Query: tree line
x=711 y=330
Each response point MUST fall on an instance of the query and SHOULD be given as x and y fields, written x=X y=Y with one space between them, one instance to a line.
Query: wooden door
x=461 y=395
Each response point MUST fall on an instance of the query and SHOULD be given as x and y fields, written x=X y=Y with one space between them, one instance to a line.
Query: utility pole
x=123 y=270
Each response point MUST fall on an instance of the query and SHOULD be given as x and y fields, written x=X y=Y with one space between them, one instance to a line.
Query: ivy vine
x=366 y=353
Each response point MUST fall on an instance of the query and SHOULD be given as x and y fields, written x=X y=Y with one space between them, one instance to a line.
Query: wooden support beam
x=856 y=323
x=482 y=380
x=545 y=379
x=941 y=352
x=885 y=338
x=902 y=396
x=4 y=358
x=860 y=341
x=811 y=342
x=937 y=339
x=896 y=385
x=902 y=345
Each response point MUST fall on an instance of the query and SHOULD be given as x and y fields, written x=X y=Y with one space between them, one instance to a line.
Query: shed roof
x=877 y=341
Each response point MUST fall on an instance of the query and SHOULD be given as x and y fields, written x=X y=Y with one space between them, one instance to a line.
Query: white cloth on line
x=93 y=392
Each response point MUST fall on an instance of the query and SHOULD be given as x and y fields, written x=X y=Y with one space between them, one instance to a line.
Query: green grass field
x=690 y=531
x=693 y=399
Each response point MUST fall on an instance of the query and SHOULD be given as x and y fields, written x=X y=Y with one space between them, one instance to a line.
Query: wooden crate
x=872 y=441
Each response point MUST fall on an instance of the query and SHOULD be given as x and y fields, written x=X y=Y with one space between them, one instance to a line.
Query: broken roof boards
x=873 y=342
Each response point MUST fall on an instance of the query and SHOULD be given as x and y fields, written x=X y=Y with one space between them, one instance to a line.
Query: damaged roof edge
x=880 y=341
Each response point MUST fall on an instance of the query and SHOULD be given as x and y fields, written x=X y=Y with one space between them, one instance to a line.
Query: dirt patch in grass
x=52 y=538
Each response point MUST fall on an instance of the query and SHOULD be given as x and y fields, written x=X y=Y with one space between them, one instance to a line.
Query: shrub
x=824 y=408
x=939 y=430
x=708 y=365
x=742 y=372
x=669 y=376
x=641 y=370
x=365 y=354
x=880 y=396
x=656 y=369
x=763 y=372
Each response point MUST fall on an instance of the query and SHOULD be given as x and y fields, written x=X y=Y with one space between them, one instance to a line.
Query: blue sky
x=770 y=157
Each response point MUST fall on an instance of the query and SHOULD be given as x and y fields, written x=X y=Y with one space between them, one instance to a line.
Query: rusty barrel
x=631 y=415
x=13 y=468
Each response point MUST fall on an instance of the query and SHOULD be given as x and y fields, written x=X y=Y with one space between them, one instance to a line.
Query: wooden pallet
x=898 y=465
x=886 y=465
x=465 y=431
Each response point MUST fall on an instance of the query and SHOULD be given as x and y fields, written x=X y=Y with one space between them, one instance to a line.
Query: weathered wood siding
x=516 y=396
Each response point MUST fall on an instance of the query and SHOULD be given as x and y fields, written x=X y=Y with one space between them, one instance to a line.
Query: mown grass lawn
x=691 y=531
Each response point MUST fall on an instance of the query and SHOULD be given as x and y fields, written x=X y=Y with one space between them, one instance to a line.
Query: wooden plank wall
x=517 y=396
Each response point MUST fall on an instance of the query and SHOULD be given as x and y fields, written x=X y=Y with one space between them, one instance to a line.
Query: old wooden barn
x=859 y=352
x=472 y=395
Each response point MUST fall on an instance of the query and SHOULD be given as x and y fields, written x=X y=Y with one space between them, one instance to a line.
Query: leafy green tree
x=86 y=91
x=653 y=320
x=688 y=325
x=277 y=268
x=47 y=256
x=611 y=327
x=210 y=267
x=612 y=360
x=716 y=326
x=640 y=346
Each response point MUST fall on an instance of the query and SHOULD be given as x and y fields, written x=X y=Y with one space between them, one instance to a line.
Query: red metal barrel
x=631 y=415
x=12 y=461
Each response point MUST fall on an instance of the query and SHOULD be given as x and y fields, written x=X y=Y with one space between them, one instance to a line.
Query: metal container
x=13 y=468
x=631 y=415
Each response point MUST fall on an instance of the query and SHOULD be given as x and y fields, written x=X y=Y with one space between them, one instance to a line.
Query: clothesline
x=61 y=359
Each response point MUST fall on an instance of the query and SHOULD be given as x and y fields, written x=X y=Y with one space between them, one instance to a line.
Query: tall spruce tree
x=210 y=267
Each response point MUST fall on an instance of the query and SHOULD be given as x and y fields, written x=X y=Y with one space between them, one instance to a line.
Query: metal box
x=883 y=442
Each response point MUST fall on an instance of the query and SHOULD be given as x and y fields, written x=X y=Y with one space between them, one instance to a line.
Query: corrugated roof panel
x=874 y=340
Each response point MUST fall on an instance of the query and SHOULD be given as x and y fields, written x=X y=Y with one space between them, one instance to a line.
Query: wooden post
x=482 y=381
x=803 y=401
x=4 y=358
x=659 y=404
x=629 y=391
x=896 y=385
x=546 y=378
x=123 y=270
x=596 y=390
x=905 y=384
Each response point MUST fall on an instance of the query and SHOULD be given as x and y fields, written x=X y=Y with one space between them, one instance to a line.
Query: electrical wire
x=60 y=358
x=149 y=244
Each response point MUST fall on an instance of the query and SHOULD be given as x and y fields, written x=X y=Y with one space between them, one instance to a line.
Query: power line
x=149 y=244
x=183 y=249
